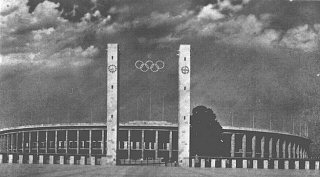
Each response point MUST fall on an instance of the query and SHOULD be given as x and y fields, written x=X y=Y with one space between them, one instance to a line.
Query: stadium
x=137 y=140
x=149 y=142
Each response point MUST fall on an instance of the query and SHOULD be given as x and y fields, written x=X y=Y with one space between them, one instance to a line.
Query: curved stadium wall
x=85 y=143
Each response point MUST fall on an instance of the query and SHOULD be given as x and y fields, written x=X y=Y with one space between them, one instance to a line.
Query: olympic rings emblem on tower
x=149 y=65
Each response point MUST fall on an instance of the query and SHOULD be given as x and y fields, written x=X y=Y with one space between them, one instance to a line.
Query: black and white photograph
x=159 y=88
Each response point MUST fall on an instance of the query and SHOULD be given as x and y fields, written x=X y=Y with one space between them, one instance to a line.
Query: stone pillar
x=10 y=158
x=37 y=142
x=278 y=148
x=170 y=145
x=253 y=146
x=223 y=163
x=8 y=144
x=67 y=143
x=20 y=159
x=17 y=141
x=233 y=140
x=244 y=146
x=102 y=142
x=307 y=154
x=286 y=164
x=213 y=163
x=265 y=164
x=30 y=159
x=23 y=143
x=82 y=160
x=90 y=142
x=307 y=165
x=317 y=165
x=51 y=159
x=297 y=152
x=244 y=163
x=234 y=163
x=142 y=143
x=129 y=145
x=296 y=164
x=56 y=142
x=92 y=160
x=3 y=142
x=289 y=150
x=156 y=144
x=284 y=149
x=78 y=141
x=203 y=163
x=46 y=150
x=71 y=160
x=270 y=148
x=262 y=146
x=61 y=160
x=30 y=145
x=301 y=155
x=255 y=164
x=192 y=163
x=1 y=158
x=11 y=142
x=112 y=103
x=293 y=150
x=276 y=164
x=184 y=105
x=40 y=159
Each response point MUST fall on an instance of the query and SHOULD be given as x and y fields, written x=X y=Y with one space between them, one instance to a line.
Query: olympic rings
x=149 y=65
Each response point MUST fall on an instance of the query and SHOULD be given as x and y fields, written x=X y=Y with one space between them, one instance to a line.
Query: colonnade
x=266 y=147
x=148 y=144
x=72 y=144
x=91 y=141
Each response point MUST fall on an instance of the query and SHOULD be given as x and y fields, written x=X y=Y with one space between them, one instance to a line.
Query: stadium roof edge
x=140 y=124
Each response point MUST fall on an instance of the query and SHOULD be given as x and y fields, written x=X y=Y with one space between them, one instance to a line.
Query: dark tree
x=206 y=133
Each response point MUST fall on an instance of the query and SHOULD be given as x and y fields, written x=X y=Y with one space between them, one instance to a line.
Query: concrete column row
x=289 y=149
x=50 y=159
x=156 y=143
x=265 y=164
x=29 y=142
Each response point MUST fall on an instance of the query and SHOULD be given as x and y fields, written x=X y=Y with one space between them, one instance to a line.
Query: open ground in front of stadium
x=33 y=170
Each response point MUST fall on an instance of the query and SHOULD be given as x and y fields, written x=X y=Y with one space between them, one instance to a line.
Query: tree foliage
x=206 y=133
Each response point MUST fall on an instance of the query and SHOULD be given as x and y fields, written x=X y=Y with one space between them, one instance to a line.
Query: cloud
x=64 y=58
x=302 y=37
x=20 y=21
x=208 y=12
x=17 y=27
x=61 y=56
x=249 y=30
x=45 y=35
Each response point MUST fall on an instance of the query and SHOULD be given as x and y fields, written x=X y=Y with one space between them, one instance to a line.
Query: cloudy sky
x=249 y=58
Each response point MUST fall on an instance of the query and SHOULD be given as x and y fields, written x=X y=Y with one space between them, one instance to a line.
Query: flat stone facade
x=184 y=104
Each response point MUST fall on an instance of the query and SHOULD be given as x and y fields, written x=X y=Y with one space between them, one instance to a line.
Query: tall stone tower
x=112 y=103
x=184 y=105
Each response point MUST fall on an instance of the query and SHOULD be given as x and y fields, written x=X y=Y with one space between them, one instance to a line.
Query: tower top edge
x=112 y=45
x=184 y=47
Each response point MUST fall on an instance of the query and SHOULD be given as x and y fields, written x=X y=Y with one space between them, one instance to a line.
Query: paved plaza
x=26 y=170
